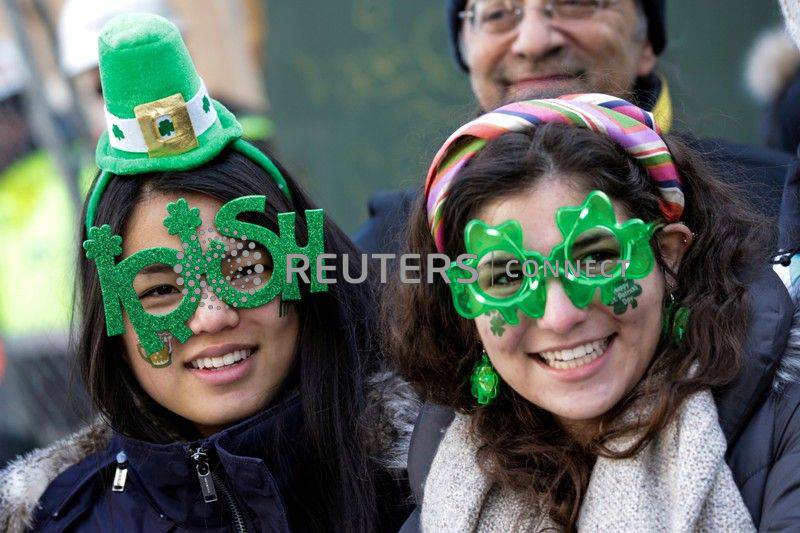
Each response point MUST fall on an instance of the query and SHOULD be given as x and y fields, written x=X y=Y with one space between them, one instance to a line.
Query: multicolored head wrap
x=634 y=129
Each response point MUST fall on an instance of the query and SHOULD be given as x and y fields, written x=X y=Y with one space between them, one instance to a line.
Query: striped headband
x=629 y=126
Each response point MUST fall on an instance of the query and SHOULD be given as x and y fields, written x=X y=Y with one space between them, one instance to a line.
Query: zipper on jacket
x=200 y=458
x=210 y=483
x=121 y=474
x=233 y=505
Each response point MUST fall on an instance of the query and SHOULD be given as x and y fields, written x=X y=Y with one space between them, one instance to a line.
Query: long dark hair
x=333 y=357
x=524 y=448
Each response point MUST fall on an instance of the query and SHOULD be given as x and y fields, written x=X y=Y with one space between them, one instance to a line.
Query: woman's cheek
x=648 y=304
x=158 y=383
x=639 y=329
x=499 y=338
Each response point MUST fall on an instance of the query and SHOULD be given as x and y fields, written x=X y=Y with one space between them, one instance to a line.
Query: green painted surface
x=364 y=91
x=705 y=62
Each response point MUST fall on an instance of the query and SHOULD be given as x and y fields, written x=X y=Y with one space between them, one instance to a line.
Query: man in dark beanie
x=516 y=50
x=652 y=10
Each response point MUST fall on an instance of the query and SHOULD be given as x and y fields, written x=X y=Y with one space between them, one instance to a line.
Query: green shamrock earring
x=675 y=321
x=485 y=380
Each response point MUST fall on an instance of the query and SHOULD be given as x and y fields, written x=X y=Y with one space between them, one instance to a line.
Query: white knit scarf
x=679 y=482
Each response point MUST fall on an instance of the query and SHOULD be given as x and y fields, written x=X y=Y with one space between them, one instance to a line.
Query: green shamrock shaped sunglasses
x=597 y=253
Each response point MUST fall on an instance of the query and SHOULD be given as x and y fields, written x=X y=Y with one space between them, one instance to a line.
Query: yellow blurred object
x=256 y=127
x=662 y=111
x=38 y=230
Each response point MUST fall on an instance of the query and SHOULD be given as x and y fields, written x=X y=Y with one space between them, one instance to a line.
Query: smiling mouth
x=228 y=360
x=545 y=77
x=575 y=357
x=539 y=82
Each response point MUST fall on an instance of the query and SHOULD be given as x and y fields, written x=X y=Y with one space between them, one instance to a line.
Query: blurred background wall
x=364 y=91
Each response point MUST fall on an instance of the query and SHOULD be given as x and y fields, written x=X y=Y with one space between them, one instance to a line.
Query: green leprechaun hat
x=159 y=115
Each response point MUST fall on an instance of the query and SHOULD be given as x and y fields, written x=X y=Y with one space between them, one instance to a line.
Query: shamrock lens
x=160 y=288
x=500 y=275
x=247 y=266
x=595 y=253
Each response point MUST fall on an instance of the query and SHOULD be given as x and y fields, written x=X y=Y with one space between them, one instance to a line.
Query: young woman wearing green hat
x=604 y=356
x=232 y=397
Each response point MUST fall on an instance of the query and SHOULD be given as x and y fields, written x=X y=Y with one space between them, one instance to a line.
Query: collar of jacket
x=167 y=474
x=392 y=408
x=652 y=93
x=788 y=371
x=769 y=357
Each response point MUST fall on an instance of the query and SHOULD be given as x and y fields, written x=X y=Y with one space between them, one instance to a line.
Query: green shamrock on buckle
x=597 y=253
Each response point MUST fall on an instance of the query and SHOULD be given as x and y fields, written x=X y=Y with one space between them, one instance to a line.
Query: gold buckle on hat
x=166 y=126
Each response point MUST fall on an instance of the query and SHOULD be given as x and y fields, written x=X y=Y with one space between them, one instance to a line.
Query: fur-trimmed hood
x=791 y=14
x=771 y=63
x=25 y=479
x=391 y=413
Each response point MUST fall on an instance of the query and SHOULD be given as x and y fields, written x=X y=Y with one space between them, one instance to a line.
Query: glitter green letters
x=116 y=279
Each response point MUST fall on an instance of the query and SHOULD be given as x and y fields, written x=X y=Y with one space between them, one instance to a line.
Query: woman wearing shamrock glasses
x=232 y=399
x=611 y=287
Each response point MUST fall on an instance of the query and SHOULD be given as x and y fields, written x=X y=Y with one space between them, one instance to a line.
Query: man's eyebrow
x=158 y=268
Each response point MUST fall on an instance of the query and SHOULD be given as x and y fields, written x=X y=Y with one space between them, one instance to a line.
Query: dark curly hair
x=523 y=446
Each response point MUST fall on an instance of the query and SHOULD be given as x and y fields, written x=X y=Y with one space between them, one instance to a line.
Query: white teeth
x=575 y=363
x=222 y=360
x=575 y=357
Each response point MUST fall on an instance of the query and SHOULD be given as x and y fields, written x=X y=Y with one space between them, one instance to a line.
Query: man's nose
x=212 y=315
x=560 y=314
x=535 y=35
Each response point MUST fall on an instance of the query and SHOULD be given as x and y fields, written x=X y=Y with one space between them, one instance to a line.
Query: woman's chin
x=580 y=413
x=219 y=415
x=580 y=405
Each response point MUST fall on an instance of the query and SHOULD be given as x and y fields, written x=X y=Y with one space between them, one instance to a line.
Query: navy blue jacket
x=255 y=490
x=162 y=490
